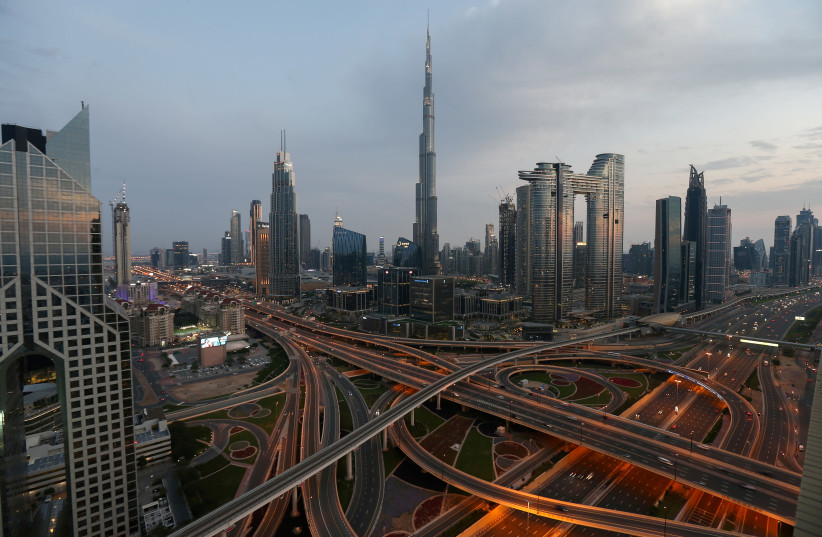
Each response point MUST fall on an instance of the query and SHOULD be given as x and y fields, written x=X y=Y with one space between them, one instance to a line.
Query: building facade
x=237 y=249
x=781 y=253
x=432 y=298
x=349 y=263
x=667 y=254
x=696 y=233
x=718 y=270
x=550 y=227
x=425 y=226
x=54 y=307
x=180 y=254
x=305 y=240
x=507 y=242
x=394 y=290
x=407 y=254
x=122 y=243
x=262 y=258
x=284 y=230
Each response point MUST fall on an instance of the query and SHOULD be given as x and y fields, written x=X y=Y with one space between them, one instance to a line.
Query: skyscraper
x=781 y=256
x=406 y=254
x=801 y=251
x=122 y=243
x=255 y=215
x=262 y=259
x=425 y=227
x=237 y=250
x=305 y=239
x=550 y=227
x=381 y=255
x=642 y=259
x=667 y=254
x=695 y=232
x=180 y=254
x=507 y=241
x=718 y=269
x=284 y=229
x=55 y=310
x=349 y=265
x=523 y=275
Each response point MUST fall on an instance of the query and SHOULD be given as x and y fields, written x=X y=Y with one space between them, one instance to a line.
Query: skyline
x=729 y=88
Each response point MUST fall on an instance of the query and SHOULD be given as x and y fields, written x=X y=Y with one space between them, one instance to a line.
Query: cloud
x=728 y=163
x=765 y=146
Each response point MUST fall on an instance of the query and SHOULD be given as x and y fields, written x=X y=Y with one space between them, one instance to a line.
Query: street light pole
x=692 y=442
x=665 y=523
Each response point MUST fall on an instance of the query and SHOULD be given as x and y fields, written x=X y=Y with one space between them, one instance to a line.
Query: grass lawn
x=673 y=501
x=275 y=405
x=199 y=432
x=372 y=394
x=214 y=465
x=218 y=415
x=426 y=417
x=346 y=421
x=753 y=381
x=639 y=377
x=545 y=377
x=211 y=492
x=391 y=459
x=801 y=331
x=475 y=457
x=602 y=398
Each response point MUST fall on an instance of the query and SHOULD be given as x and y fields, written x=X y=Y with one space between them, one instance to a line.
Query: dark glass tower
x=696 y=233
x=425 y=227
x=53 y=309
x=406 y=254
x=667 y=254
x=348 y=262
x=507 y=242
x=781 y=256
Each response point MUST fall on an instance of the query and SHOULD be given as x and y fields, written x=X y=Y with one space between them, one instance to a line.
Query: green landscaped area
x=277 y=365
x=638 y=377
x=243 y=436
x=371 y=390
x=391 y=459
x=475 y=456
x=206 y=494
x=600 y=399
x=214 y=465
x=427 y=418
x=273 y=403
x=801 y=331
x=346 y=421
x=543 y=377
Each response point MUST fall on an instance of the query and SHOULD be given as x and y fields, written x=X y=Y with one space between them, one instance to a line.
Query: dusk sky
x=188 y=99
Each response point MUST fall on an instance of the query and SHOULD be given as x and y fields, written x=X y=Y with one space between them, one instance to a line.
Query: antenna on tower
x=121 y=196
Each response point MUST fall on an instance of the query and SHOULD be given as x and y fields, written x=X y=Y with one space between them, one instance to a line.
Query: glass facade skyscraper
x=53 y=308
x=348 y=263
x=549 y=230
x=718 y=273
x=507 y=242
x=695 y=232
x=667 y=254
x=781 y=256
x=284 y=229
x=237 y=249
x=407 y=254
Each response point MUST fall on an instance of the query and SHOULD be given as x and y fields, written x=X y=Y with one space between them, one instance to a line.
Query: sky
x=188 y=99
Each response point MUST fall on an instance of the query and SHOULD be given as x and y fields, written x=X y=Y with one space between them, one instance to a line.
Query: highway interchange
x=611 y=448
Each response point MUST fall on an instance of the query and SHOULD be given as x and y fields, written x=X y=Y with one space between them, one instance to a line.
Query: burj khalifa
x=425 y=227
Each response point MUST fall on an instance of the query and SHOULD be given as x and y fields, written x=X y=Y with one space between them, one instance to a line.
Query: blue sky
x=188 y=100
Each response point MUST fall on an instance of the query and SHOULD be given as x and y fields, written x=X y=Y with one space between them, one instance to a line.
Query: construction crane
x=120 y=197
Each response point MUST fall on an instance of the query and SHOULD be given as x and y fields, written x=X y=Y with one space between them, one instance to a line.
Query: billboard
x=213 y=341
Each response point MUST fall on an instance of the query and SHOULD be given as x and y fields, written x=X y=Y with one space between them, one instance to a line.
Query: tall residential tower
x=122 y=242
x=425 y=227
